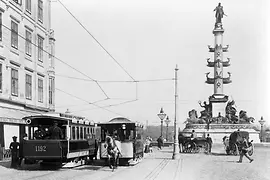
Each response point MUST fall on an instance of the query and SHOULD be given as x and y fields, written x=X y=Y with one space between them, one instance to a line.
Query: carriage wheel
x=235 y=150
x=250 y=152
x=196 y=149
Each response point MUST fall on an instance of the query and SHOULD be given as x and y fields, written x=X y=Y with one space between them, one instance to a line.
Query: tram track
x=63 y=174
x=157 y=170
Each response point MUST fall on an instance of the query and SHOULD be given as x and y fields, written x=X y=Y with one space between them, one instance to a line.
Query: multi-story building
x=26 y=64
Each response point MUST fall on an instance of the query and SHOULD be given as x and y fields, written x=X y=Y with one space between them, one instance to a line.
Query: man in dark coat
x=55 y=132
x=243 y=151
x=160 y=142
x=209 y=140
x=14 y=147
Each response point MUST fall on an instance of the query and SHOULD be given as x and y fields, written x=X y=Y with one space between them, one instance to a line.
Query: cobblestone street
x=158 y=165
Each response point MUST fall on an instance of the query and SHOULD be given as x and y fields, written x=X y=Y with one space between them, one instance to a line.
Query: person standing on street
x=209 y=139
x=14 y=147
x=160 y=142
x=193 y=134
x=243 y=151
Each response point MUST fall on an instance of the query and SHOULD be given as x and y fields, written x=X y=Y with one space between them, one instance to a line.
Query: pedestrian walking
x=209 y=139
x=147 y=145
x=160 y=142
x=243 y=151
x=14 y=147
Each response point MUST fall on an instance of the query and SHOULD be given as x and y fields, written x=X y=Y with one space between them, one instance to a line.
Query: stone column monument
x=218 y=99
x=219 y=116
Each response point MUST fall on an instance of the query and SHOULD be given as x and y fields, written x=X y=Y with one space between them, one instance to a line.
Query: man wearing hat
x=14 y=147
x=55 y=132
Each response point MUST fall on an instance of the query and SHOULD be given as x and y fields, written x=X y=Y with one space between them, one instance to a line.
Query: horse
x=112 y=151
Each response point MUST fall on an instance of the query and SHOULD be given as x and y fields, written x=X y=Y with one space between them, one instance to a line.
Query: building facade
x=27 y=78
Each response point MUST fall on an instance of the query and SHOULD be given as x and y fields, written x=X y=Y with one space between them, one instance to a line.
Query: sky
x=148 y=38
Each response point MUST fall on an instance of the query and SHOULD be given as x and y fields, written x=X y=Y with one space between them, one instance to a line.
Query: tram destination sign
x=11 y=120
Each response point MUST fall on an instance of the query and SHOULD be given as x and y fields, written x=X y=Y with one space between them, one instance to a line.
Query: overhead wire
x=60 y=61
x=110 y=105
x=96 y=40
x=90 y=102
x=100 y=81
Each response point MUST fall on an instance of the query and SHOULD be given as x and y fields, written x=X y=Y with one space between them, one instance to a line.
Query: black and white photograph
x=134 y=90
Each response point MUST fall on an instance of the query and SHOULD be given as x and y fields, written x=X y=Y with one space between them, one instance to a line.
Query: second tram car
x=129 y=139
x=75 y=142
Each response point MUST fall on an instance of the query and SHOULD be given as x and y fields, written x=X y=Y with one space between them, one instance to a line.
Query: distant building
x=27 y=75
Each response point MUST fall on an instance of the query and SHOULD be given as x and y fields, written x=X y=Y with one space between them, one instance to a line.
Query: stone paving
x=159 y=166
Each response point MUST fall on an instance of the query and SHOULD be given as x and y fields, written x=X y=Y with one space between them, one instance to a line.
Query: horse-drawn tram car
x=127 y=137
x=58 y=138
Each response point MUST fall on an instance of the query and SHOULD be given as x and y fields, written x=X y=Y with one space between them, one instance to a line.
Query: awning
x=9 y=115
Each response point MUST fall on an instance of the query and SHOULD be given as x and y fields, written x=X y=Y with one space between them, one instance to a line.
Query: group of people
x=54 y=132
x=243 y=148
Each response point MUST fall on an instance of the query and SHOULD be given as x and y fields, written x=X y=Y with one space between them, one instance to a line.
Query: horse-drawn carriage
x=125 y=137
x=234 y=143
x=194 y=145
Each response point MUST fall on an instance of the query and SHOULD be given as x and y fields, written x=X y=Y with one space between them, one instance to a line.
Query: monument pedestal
x=219 y=103
x=218 y=131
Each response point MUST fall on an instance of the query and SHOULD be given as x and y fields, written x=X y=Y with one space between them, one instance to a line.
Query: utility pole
x=176 y=154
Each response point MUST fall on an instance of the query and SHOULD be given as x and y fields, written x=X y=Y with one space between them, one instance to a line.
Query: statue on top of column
x=219 y=13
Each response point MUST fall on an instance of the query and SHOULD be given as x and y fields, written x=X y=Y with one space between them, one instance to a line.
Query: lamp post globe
x=261 y=121
x=161 y=116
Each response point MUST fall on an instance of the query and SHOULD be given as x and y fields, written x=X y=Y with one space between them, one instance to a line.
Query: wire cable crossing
x=96 y=40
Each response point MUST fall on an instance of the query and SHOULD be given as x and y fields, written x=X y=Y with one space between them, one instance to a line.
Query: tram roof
x=61 y=117
x=121 y=120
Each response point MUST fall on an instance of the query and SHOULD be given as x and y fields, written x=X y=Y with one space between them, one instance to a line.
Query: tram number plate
x=40 y=148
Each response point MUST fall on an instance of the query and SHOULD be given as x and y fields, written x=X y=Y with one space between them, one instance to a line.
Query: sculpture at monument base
x=231 y=112
x=230 y=118
x=207 y=112
x=243 y=118
x=193 y=118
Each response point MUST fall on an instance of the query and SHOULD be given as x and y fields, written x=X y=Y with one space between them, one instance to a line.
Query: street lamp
x=161 y=116
x=167 y=121
x=261 y=121
x=175 y=143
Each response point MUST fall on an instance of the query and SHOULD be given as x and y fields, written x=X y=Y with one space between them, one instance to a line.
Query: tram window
x=81 y=133
x=73 y=133
x=77 y=133
x=84 y=130
x=102 y=135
